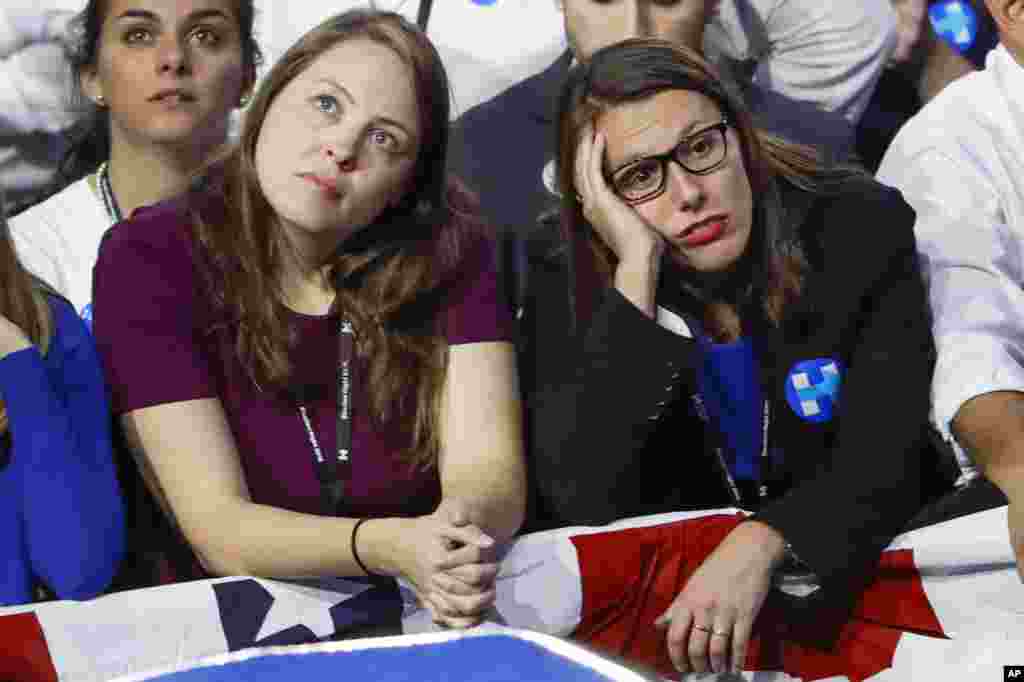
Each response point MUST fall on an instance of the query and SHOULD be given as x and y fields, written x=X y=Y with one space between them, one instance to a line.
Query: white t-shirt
x=59 y=239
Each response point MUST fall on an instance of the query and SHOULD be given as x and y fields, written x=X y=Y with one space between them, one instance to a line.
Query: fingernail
x=486 y=541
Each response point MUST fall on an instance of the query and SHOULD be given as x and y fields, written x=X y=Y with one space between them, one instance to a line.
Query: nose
x=342 y=149
x=684 y=188
x=172 y=56
x=637 y=22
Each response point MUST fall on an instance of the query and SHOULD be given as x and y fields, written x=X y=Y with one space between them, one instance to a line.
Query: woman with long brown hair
x=61 y=521
x=310 y=355
x=746 y=328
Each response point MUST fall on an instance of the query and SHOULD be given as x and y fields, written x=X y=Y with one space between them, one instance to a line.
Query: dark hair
x=640 y=68
x=389 y=277
x=89 y=139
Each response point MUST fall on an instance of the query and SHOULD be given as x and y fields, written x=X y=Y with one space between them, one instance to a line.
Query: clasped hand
x=451 y=565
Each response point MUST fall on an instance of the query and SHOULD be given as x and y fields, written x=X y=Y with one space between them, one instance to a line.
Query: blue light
x=485 y=3
x=956 y=22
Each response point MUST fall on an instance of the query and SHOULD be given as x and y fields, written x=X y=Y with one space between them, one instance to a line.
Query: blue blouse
x=61 y=517
x=731 y=391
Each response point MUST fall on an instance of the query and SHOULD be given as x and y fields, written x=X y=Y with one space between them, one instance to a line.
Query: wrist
x=636 y=277
x=770 y=542
x=377 y=545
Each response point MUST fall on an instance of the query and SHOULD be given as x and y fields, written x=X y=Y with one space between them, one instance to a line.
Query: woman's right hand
x=618 y=224
x=449 y=562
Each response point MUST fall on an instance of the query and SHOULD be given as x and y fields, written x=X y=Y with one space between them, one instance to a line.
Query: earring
x=100 y=101
x=244 y=99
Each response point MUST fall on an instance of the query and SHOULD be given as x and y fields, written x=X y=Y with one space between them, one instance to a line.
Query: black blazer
x=612 y=433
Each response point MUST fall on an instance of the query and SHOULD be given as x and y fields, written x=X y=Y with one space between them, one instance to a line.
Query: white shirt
x=59 y=240
x=960 y=163
x=823 y=54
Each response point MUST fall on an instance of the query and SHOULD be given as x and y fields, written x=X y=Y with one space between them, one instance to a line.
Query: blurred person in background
x=35 y=107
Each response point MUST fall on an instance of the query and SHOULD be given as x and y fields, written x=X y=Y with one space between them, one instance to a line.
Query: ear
x=89 y=80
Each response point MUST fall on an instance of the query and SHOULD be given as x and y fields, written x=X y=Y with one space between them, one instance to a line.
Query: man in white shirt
x=960 y=164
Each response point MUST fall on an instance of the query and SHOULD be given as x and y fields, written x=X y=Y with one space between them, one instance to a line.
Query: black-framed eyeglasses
x=699 y=153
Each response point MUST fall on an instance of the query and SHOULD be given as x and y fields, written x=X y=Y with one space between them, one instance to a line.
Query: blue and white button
x=812 y=389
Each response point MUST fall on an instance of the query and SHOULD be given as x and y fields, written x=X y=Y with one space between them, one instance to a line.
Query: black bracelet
x=355 y=552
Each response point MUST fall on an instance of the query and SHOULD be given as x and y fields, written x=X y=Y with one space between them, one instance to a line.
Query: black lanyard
x=335 y=472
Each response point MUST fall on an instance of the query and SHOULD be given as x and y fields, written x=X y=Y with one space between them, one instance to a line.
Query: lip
x=173 y=95
x=704 y=231
x=327 y=185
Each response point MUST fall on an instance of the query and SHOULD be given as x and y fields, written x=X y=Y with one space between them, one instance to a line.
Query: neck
x=304 y=277
x=142 y=176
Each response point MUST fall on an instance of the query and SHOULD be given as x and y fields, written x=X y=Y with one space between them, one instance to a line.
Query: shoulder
x=64 y=207
x=862 y=223
x=161 y=233
x=530 y=97
x=970 y=118
x=69 y=330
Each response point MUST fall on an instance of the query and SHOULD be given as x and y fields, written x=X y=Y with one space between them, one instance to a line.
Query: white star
x=306 y=604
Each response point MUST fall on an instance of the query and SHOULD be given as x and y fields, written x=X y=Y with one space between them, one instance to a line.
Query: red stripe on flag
x=897 y=597
x=24 y=656
x=630 y=576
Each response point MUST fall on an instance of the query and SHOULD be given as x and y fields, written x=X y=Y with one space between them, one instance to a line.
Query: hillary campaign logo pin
x=812 y=389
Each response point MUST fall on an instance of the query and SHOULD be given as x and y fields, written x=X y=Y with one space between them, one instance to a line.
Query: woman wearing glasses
x=746 y=328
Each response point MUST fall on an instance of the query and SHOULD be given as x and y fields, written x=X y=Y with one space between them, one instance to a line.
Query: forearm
x=991 y=428
x=592 y=418
x=246 y=538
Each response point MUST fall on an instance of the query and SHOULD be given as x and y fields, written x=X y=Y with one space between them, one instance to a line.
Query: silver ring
x=703 y=629
x=721 y=633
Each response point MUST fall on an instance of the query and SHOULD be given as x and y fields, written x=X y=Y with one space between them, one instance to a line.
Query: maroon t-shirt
x=151 y=319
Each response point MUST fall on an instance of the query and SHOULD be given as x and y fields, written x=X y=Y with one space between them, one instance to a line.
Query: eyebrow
x=693 y=127
x=154 y=17
x=352 y=100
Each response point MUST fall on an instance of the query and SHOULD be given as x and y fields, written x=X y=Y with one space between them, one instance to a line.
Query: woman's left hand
x=710 y=621
x=12 y=338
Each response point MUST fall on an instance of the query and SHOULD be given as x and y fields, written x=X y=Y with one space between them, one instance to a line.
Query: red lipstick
x=704 y=232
